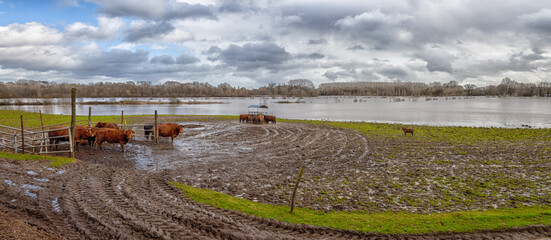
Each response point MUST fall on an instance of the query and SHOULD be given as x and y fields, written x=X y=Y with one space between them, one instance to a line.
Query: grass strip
x=12 y=118
x=54 y=161
x=383 y=222
x=465 y=135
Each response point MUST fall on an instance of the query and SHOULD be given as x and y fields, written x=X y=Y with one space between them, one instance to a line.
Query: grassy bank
x=54 y=161
x=385 y=222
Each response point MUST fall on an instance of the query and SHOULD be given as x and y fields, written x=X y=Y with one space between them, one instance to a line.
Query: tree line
x=295 y=88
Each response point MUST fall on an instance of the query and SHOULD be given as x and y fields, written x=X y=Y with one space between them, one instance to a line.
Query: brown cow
x=270 y=118
x=107 y=125
x=259 y=119
x=170 y=130
x=113 y=136
x=407 y=130
x=62 y=135
x=244 y=118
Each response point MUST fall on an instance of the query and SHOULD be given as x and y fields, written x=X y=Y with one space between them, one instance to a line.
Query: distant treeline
x=295 y=88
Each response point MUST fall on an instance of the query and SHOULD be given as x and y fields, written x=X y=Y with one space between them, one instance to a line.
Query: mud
x=114 y=195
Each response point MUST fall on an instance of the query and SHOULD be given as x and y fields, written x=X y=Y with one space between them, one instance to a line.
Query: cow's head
x=180 y=128
x=90 y=132
x=100 y=124
x=128 y=134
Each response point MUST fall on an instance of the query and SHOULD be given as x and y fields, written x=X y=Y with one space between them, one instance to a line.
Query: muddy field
x=110 y=194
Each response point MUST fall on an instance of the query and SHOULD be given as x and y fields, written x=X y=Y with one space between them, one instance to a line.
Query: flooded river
x=444 y=111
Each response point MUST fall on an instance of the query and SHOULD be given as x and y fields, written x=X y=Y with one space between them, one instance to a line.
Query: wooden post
x=295 y=190
x=43 y=133
x=156 y=127
x=122 y=117
x=22 y=136
x=73 y=122
x=89 y=116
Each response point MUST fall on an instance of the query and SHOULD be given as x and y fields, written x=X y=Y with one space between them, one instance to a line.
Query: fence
x=38 y=142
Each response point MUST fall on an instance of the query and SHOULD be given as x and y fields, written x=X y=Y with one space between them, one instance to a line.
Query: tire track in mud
x=108 y=203
x=101 y=202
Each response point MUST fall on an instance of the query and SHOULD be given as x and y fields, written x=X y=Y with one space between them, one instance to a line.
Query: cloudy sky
x=256 y=42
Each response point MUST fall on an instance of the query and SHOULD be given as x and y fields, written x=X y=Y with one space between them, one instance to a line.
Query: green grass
x=54 y=161
x=385 y=222
x=468 y=135
x=12 y=118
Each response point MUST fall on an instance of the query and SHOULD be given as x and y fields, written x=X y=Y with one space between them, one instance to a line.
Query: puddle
x=32 y=173
x=29 y=186
x=41 y=179
x=9 y=182
x=61 y=172
x=55 y=205
x=30 y=194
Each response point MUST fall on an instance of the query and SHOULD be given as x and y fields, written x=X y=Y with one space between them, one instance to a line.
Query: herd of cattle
x=258 y=119
x=110 y=133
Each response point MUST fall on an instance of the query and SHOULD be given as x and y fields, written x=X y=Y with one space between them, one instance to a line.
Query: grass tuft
x=54 y=161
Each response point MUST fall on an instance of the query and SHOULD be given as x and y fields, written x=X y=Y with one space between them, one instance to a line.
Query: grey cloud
x=186 y=59
x=331 y=75
x=254 y=55
x=356 y=48
x=317 y=41
x=163 y=59
x=377 y=28
x=230 y=7
x=394 y=72
x=438 y=59
x=116 y=63
x=154 y=9
x=540 y=20
x=148 y=30
x=169 y=60
x=311 y=56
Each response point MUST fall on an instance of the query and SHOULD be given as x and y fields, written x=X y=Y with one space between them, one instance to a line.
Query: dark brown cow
x=407 y=130
x=62 y=135
x=170 y=130
x=270 y=118
x=113 y=136
x=107 y=125
x=244 y=118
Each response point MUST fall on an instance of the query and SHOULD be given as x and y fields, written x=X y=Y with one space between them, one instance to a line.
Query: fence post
x=73 y=122
x=122 y=117
x=15 y=142
x=156 y=133
x=89 y=116
x=43 y=133
x=295 y=190
x=22 y=136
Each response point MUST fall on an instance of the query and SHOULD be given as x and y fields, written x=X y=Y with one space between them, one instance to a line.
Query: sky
x=252 y=43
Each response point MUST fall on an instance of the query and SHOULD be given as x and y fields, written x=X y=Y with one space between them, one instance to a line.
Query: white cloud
x=106 y=28
x=124 y=46
x=28 y=34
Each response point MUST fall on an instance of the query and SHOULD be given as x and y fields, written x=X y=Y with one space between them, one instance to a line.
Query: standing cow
x=62 y=135
x=148 y=130
x=258 y=119
x=107 y=125
x=170 y=130
x=269 y=118
x=113 y=136
x=244 y=118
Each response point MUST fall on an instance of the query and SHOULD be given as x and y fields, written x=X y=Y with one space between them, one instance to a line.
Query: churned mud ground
x=110 y=194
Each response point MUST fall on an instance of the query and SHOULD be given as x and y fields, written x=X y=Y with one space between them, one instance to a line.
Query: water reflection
x=459 y=111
